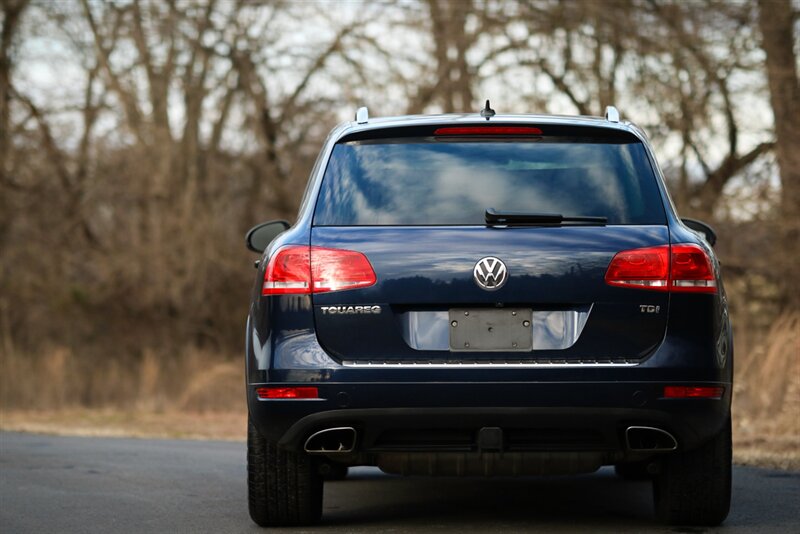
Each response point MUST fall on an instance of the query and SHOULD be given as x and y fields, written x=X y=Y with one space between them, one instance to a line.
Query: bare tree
x=451 y=81
x=776 y=20
x=12 y=12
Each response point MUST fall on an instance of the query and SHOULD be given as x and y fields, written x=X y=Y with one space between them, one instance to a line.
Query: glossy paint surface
x=622 y=358
x=431 y=268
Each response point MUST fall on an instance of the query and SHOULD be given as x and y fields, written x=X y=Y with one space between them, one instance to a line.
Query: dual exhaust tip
x=342 y=440
x=339 y=440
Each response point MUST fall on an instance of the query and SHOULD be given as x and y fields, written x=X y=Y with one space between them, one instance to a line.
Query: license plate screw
x=514 y=344
x=466 y=344
x=513 y=313
x=466 y=313
x=454 y=324
x=524 y=323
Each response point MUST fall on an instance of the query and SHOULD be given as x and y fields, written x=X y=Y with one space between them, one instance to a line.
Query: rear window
x=435 y=181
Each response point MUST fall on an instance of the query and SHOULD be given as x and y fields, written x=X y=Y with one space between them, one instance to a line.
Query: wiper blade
x=514 y=218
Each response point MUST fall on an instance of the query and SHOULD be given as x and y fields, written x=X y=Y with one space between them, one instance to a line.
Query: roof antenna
x=487 y=112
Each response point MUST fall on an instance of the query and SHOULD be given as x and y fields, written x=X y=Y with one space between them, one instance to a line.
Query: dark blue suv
x=488 y=295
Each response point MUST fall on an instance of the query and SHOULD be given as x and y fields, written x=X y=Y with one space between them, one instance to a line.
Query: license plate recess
x=491 y=330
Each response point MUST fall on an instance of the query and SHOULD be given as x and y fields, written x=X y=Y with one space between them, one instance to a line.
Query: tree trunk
x=776 y=20
x=11 y=18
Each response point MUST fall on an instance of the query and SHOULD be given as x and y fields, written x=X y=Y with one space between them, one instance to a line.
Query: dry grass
x=193 y=380
x=766 y=404
x=199 y=395
x=229 y=426
x=194 y=395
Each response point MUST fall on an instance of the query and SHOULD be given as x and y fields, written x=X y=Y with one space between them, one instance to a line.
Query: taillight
x=693 y=392
x=334 y=269
x=642 y=267
x=288 y=272
x=300 y=270
x=488 y=130
x=691 y=270
x=301 y=392
x=676 y=268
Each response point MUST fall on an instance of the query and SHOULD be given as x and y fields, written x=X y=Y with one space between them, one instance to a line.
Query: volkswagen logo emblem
x=490 y=273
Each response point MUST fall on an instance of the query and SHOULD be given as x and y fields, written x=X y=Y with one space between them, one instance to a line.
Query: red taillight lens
x=679 y=268
x=303 y=392
x=691 y=270
x=687 y=392
x=488 y=130
x=334 y=269
x=642 y=267
x=298 y=270
x=288 y=272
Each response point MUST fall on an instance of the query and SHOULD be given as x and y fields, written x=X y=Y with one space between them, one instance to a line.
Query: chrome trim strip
x=541 y=365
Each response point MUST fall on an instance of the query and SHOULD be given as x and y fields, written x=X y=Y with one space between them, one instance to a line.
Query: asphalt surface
x=66 y=484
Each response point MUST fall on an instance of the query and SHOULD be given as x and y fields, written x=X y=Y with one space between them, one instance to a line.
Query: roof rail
x=612 y=114
x=362 y=115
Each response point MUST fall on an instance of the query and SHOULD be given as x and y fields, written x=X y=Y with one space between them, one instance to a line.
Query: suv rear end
x=504 y=296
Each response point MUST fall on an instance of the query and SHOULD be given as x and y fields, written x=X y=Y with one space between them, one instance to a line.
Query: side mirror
x=261 y=235
x=702 y=228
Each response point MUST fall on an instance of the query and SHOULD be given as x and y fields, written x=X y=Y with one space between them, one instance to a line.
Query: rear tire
x=283 y=487
x=694 y=487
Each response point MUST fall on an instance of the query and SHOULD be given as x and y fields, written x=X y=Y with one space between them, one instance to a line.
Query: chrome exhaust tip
x=337 y=440
x=649 y=439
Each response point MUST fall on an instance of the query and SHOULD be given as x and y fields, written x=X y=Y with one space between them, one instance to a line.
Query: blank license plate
x=491 y=330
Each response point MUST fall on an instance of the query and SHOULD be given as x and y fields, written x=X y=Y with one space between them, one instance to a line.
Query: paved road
x=61 y=484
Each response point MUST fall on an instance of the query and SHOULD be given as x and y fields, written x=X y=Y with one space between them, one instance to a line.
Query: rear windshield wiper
x=518 y=218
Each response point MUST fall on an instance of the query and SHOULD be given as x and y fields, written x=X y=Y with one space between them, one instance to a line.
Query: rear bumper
x=534 y=416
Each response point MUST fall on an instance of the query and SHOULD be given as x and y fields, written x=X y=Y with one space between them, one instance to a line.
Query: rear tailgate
x=422 y=273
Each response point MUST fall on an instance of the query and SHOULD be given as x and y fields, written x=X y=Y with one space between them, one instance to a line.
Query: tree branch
x=132 y=111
